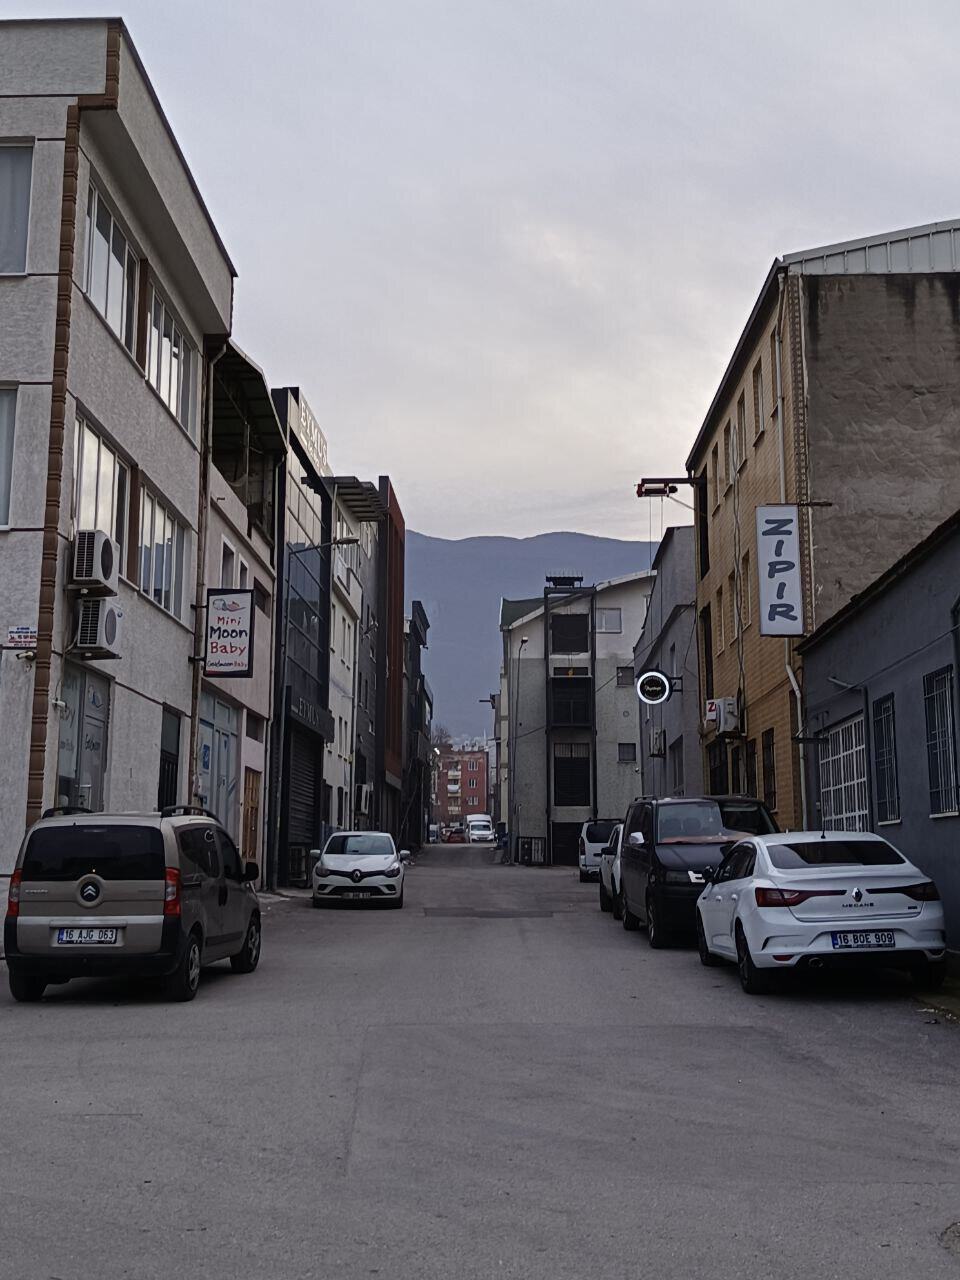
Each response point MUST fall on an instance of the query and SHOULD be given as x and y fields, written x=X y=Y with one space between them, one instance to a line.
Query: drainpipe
x=206 y=452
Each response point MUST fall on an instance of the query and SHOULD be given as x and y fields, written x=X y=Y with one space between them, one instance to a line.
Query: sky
x=506 y=247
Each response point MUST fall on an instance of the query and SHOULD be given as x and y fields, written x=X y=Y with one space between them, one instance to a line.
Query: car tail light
x=793 y=897
x=13 y=894
x=926 y=892
x=171 y=892
x=783 y=959
x=583 y=846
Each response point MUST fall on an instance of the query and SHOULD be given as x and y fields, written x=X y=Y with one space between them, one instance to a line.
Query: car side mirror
x=250 y=872
x=708 y=873
x=636 y=840
x=404 y=855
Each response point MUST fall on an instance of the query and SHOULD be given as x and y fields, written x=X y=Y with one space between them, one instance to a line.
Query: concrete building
x=670 y=731
x=572 y=724
x=114 y=289
x=462 y=784
x=842 y=396
x=366 y=797
x=881 y=707
x=417 y=726
x=390 y=663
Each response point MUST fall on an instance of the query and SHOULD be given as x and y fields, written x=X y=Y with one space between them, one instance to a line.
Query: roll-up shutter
x=303 y=813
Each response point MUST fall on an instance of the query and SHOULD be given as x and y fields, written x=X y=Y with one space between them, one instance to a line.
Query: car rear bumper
x=814 y=945
x=103 y=963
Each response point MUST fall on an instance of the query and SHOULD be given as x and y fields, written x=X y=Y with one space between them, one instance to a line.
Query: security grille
x=941 y=740
x=843 y=777
x=885 y=760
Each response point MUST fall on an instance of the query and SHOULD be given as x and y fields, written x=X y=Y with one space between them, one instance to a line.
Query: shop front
x=84 y=722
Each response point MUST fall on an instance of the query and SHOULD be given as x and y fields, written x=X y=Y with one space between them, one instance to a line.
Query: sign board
x=22 y=637
x=653 y=687
x=307 y=430
x=778 y=565
x=228 y=647
x=711 y=712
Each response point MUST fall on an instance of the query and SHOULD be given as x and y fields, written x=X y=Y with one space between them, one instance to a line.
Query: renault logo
x=90 y=892
x=858 y=895
x=357 y=876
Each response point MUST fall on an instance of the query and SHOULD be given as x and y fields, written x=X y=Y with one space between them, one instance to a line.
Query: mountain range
x=460 y=583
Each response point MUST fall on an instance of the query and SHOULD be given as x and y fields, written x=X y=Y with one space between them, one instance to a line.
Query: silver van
x=138 y=895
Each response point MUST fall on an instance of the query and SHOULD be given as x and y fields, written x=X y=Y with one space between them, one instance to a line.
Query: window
x=941 y=740
x=746 y=603
x=16 y=167
x=885 y=760
x=703 y=525
x=8 y=414
x=609 y=621
x=243 y=577
x=111 y=270
x=228 y=561
x=571 y=773
x=198 y=849
x=734 y=629
x=740 y=443
x=773 y=375
x=675 y=756
x=736 y=768
x=717 y=768
x=715 y=476
x=172 y=364
x=624 y=677
x=231 y=858
x=843 y=777
x=729 y=463
x=169 y=758
x=100 y=501
x=569 y=633
x=162 y=544
x=833 y=853
x=261 y=596
x=255 y=726
x=706 y=649
x=751 y=779
x=757 y=400
x=473 y=765
x=720 y=620
x=473 y=783
x=627 y=752
x=769 y=769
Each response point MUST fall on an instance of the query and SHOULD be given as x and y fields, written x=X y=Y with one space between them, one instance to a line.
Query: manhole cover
x=478 y=913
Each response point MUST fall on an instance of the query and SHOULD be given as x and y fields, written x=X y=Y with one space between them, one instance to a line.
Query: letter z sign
x=778 y=565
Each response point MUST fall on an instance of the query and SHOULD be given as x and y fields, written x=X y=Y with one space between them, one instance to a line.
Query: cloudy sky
x=506 y=246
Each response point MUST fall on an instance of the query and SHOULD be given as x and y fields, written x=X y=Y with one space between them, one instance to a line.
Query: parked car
x=593 y=838
x=610 y=872
x=454 y=836
x=802 y=899
x=359 y=866
x=666 y=846
x=479 y=829
x=126 y=895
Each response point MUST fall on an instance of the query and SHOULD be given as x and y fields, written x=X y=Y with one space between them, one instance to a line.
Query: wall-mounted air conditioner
x=728 y=716
x=96 y=563
x=99 y=628
x=658 y=742
x=364 y=797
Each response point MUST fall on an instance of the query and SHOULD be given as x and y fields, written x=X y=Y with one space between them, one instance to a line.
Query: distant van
x=479 y=829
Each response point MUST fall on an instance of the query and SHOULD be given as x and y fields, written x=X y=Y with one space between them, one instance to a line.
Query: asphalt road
x=522 y=1093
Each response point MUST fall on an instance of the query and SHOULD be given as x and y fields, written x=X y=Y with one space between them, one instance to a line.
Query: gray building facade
x=670 y=731
x=881 y=706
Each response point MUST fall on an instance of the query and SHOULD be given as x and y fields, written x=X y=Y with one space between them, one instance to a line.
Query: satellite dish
x=653 y=687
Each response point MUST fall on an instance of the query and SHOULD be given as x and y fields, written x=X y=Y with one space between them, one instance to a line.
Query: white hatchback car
x=811 y=899
x=359 y=866
x=593 y=837
x=610 y=872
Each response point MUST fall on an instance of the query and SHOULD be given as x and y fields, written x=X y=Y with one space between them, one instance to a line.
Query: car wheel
x=25 y=988
x=707 y=957
x=753 y=980
x=629 y=921
x=604 y=897
x=397 y=903
x=316 y=902
x=929 y=975
x=183 y=983
x=656 y=934
x=248 y=957
x=584 y=877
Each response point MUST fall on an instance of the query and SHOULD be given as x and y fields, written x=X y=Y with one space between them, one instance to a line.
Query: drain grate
x=480 y=913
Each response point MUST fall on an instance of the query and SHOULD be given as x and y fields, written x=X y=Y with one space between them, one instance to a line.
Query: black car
x=667 y=845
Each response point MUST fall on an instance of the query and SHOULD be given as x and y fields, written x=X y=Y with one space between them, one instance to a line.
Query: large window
x=571 y=773
x=675 y=753
x=624 y=677
x=8 y=414
x=16 y=166
x=941 y=740
x=172 y=364
x=843 y=777
x=706 y=650
x=162 y=544
x=740 y=442
x=100 y=500
x=769 y=755
x=717 y=768
x=627 y=752
x=885 y=760
x=570 y=633
x=111 y=270
x=609 y=621
x=758 y=423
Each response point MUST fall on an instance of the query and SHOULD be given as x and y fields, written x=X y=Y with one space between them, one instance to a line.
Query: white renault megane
x=810 y=899
x=359 y=866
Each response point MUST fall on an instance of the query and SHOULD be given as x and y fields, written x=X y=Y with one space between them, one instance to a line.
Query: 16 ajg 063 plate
x=86 y=937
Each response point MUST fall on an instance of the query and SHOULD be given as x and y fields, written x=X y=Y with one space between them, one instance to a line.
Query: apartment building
x=572 y=722
x=390 y=662
x=842 y=401
x=115 y=287
x=417 y=728
x=462 y=784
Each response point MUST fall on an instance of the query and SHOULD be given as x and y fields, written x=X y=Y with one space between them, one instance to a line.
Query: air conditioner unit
x=728 y=716
x=658 y=742
x=364 y=796
x=99 y=628
x=96 y=563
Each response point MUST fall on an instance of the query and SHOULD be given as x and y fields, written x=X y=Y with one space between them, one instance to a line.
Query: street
x=495 y=1082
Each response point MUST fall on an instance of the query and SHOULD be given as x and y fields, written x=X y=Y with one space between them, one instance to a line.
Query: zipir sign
x=778 y=565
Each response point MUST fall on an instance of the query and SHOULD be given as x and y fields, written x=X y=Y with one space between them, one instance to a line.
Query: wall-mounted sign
x=228 y=650
x=778 y=565
x=653 y=687
x=711 y=711
x=22 y=637
x=308 y=433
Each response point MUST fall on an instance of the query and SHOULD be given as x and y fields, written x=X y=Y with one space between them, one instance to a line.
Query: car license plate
x=357 y=893
x=871 y=940
x=86 y=937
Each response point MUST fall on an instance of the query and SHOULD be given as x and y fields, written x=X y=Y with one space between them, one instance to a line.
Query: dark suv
x=667 y=844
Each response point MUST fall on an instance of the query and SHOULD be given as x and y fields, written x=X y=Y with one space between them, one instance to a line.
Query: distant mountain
x=460 y=583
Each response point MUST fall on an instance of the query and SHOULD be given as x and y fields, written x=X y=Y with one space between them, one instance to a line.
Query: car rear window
x=834 y=853
x=599 y=832
x=111 y=852
x=740 y=815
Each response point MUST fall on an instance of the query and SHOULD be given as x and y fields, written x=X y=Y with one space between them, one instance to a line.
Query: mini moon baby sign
x=229 y=633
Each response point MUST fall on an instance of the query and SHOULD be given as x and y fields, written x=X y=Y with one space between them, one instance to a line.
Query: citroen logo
x=858 y=895
x=90 y=892
x=357 y=876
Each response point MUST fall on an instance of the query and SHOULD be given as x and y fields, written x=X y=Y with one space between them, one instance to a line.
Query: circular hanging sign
x=653 y=687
